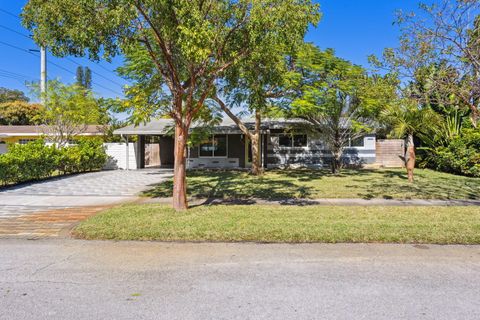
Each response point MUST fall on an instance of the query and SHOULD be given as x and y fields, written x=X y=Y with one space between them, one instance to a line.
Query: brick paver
x=52 y=207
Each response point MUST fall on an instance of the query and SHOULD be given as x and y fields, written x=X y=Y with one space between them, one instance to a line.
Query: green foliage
x=20 y=113
x=31 y=161
x=9 y=95
x=36 y=160
x=406 y=118
x=460 y=156
x=85 y=155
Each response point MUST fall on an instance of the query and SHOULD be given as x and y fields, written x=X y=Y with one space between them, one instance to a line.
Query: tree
x=175 y=50
x=337 y=100
x=84 y=77
x=444 y=36
x=408 y=120
x=257 y=84
x=20 y=113
x=68 y=111
x=8 y=95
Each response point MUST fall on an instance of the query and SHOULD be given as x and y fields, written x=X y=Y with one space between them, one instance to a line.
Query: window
x=300 y=140
x=285 y=140
x=289 y=141
x=216 y=146
x=357 y=142
x=25 y=141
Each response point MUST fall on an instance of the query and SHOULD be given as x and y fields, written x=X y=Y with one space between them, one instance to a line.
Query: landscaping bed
x=316 y=184
x=294 y=224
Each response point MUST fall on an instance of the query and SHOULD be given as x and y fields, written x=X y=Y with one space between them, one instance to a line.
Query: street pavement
x=73 y=279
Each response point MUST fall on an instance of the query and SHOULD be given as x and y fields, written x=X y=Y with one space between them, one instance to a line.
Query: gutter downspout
x=127 y=153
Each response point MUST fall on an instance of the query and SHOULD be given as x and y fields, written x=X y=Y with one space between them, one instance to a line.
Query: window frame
x=212 y=138
x=292 y=140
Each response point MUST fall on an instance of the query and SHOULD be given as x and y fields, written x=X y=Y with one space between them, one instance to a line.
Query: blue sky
x=354 y=28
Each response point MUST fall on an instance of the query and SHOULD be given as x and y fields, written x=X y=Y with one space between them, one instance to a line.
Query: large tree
x=258 y=83
x=20 y=113
x=337 y=100
x=68 y=110
x=176 y=49
x=8 y=95
x=440 y=47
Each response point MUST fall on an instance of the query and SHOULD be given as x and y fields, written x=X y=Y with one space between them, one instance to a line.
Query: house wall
x=316 y=154
x=235 y=156
x=166 y=151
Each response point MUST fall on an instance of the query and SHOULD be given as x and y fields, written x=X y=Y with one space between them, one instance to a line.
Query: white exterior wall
x=117 y=153
x=193 y=163
x=3 y=148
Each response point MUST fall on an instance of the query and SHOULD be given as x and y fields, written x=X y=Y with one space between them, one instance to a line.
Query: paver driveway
x=48 y=208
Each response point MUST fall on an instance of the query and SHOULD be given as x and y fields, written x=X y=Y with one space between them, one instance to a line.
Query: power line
x=9 y=13
x=17 y=74
x=57 y=65
x=15 y=31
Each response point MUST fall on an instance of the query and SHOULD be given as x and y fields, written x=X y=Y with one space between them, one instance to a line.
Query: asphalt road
x=71 y=279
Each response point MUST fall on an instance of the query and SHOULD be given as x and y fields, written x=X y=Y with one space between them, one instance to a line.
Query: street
x=73 y=279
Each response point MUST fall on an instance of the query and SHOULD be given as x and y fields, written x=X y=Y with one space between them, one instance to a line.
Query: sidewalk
x=328 y=202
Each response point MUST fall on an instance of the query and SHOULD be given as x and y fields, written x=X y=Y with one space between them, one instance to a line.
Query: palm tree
x=407 y=120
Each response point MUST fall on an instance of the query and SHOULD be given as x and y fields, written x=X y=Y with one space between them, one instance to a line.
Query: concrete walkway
x=328 y=202
x=50 y=208
x=71 y=279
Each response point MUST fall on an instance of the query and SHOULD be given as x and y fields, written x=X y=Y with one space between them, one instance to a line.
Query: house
x=25 y=134
x=227 y=147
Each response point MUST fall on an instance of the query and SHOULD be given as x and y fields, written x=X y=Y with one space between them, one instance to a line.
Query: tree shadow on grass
x=393 y=184
x=234 y=185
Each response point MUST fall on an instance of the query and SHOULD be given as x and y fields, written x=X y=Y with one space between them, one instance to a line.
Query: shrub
x=36 y=160
x=461 y=156
x=29 y=161
x=86 y=155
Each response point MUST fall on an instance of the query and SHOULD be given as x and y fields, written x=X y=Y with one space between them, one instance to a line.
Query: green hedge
x=461 y=156
x=36 y=160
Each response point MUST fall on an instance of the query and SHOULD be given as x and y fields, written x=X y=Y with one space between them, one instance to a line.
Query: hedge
x=36 y=160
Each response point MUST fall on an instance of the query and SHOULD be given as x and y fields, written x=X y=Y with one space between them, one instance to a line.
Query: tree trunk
x=410 y=158
x=255 y=143
x=179 y=170
x=335 y=166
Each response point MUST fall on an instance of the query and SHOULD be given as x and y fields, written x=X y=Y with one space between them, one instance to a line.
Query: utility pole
x=43 y=73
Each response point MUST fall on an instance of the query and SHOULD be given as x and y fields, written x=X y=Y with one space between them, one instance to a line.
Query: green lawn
x=276 y=223
x=366 y=184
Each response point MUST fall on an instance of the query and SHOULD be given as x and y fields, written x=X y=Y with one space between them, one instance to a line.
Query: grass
x=276 y=223
x=366 y=184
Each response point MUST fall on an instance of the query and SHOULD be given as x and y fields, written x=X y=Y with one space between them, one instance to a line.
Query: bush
x=86 y=155
x=461 y=156
x=35 y=160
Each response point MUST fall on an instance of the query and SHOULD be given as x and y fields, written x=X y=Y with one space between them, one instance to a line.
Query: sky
x=354 y=28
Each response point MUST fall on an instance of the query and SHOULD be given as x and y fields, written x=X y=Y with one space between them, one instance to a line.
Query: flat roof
x=38 y=130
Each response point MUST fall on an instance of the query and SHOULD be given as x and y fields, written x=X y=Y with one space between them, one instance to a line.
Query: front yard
x=297 y=223
x=314 y=184
x=277 y=223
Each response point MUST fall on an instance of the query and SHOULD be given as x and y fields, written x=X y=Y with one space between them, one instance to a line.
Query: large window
x=295 y=140
x=215 y=146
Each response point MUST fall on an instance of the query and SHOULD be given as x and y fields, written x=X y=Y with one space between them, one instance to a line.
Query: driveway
x=50 y=208
x=72 y=279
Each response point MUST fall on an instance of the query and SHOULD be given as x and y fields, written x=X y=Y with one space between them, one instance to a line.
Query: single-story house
x=25 y=134
x=227 y=147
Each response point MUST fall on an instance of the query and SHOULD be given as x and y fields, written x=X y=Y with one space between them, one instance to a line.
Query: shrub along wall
x=36 y=160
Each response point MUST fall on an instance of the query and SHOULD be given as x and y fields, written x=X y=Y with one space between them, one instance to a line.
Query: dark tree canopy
x=7 y=95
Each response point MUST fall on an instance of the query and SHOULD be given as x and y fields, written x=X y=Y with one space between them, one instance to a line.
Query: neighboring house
x=25 y=134
x=227 y=147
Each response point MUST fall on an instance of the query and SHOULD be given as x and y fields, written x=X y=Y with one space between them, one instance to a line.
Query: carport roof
x=164 y=126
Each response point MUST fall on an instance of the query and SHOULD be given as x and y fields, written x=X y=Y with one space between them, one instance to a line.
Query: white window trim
x=214 y=156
